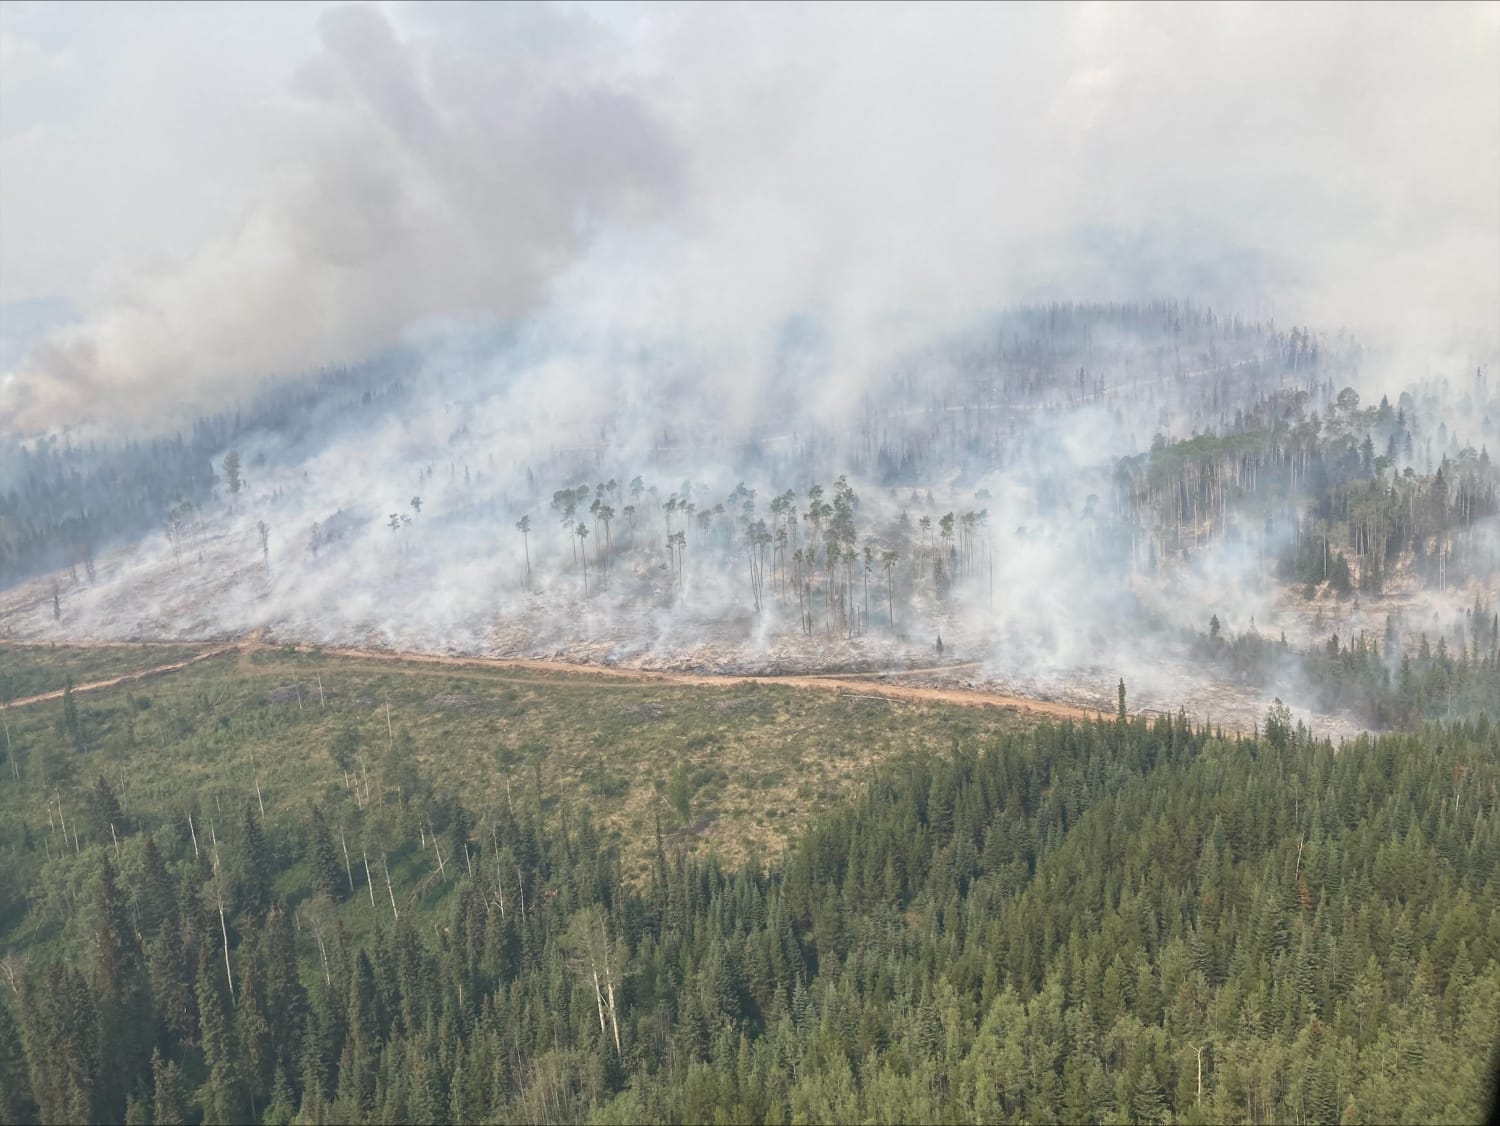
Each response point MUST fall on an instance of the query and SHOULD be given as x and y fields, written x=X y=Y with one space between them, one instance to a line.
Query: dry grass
x=760 y=757
x=31 y=669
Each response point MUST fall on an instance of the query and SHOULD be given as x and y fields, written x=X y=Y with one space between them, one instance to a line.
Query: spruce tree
x=126 y=1020
x=106 y=821
x=169 y=1103
x=157 y=896
x=16 y=1102
x=253 y=894
x=172 y=984
x=286 y=997
x=328 y=874
x=224 y=1095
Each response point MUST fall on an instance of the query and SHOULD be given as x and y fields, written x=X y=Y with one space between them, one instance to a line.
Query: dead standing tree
x=523 y=525
x=888 y=560
x=591 y=954
x=582 y=532
x=219 y=899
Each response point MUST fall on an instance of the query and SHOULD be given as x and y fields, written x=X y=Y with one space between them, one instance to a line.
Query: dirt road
x=879 y=685
x=123 y=678
x=857 y=684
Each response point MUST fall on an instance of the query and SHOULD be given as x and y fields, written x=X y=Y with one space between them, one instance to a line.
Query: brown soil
x=876 y=685
x=124 y=678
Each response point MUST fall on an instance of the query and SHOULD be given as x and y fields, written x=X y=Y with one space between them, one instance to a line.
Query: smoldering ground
x=988 y=469
x=710 y=247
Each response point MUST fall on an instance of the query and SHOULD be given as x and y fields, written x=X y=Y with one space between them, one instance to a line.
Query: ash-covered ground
x=218 y=587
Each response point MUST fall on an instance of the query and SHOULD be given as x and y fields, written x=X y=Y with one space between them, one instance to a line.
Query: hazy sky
x=226 y=191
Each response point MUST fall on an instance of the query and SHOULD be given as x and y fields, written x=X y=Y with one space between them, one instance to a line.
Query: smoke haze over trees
x=1132 y=365
x=705 y=176
x=544 y=331
x=1057 y=489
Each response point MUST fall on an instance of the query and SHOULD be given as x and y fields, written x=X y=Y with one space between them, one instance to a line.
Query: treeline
x=62 y=503
x=1394 y=681
x=974 y=399
x=979 y=398
x=1339 y=496
x=1133 y=920
x=1310 y=496
x=817 y=551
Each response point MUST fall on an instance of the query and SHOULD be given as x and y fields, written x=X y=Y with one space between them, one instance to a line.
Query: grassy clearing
x=30 y=670
x=736 y=769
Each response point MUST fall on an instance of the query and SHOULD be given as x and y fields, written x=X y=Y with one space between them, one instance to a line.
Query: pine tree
x=60 y=1035
x=286 y=997
x=252 y=1022
x=169 y=1103
x=360 y=1066
x=157 y=897
x=106 y=821
x=254 y=891
x=328 y=874
x=126 y=1019
x=172 y=984
x=72 y=722
x=282 y=1110
x=16 y=1101
x=224 y=1096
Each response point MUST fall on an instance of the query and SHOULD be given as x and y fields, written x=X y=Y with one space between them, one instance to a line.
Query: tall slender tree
x=523 y=525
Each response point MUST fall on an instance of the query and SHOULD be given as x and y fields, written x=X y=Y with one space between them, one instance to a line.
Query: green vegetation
x=308 y=727
x=1385 y=683
x=1283 y=477
x=30 y=670
x=1127 y=920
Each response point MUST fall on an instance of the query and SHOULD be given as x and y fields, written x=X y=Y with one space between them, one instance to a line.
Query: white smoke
x=704 y=174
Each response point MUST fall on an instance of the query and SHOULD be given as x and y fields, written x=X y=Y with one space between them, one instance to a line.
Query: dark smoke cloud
x=706 y=174
x=445 y=170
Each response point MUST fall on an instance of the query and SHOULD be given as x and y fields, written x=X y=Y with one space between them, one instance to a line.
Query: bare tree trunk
x=389 y=890
x=609 y=985
x=369 y=883
x=10 y=753
x=495 y=841
x=317 y=926
x=228 y=973
x=348 y=870
x=598 y=998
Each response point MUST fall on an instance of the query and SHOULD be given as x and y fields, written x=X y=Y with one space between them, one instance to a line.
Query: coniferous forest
x=1130 y=919
x=749 y=564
